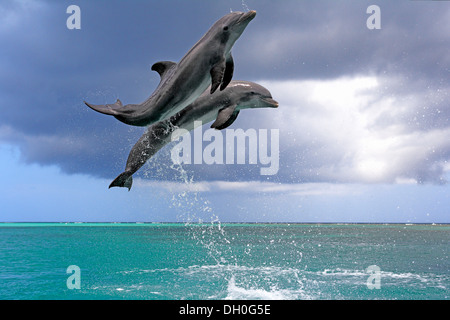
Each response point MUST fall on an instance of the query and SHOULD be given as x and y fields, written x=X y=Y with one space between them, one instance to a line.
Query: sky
x=363 y=116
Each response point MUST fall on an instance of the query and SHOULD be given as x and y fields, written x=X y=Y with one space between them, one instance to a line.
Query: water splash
x=237 y=292
x=207 y=234
x=226 y=250
x=244 y=6
x=196 y=212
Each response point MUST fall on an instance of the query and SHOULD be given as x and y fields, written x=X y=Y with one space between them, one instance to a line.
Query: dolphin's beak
x=247 y=17
x=271 y=103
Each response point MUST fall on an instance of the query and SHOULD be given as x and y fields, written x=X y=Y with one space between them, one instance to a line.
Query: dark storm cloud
x=325 y=39
x=48 y=70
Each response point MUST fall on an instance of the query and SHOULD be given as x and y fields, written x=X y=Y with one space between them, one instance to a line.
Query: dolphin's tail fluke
x=125 y=180
x=109 y=109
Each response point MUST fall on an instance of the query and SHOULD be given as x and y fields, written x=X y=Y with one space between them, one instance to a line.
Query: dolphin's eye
x=225 y=28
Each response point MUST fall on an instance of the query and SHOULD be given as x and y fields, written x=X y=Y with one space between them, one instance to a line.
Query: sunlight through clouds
x=343 y=125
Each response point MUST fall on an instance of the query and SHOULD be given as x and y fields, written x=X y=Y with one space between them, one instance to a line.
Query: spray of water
x=244 y=6
x=203 y=224
x=221 y=243
x=208 y=234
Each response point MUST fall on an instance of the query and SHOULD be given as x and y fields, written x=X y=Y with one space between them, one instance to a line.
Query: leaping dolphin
x=224 y=106
x=208 y=62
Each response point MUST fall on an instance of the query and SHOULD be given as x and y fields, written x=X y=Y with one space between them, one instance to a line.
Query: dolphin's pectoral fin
x=125 y=179
x=225 y=118
x=217 y=73
x=222 y=73
x=229 y=69
x=229 y=122
x=109 y=109
x=162 y=67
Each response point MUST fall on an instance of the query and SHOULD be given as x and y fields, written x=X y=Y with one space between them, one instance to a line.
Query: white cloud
x=353 y=130
x=252 y=187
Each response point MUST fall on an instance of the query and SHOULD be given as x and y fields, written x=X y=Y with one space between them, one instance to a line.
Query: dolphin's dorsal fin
x=118 y=103
x=162 y=67
x=225 y=117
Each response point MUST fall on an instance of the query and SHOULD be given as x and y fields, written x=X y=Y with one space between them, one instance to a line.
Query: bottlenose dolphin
x=224 y=106
x=208 y=63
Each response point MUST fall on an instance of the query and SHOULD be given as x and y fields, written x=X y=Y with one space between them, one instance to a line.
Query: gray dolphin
x=224 y=106
x=208 y=62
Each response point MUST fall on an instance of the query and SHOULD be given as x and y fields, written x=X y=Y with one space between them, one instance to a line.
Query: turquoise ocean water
x=224 y=261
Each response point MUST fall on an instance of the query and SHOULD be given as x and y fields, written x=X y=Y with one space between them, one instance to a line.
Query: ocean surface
x=224 y=261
